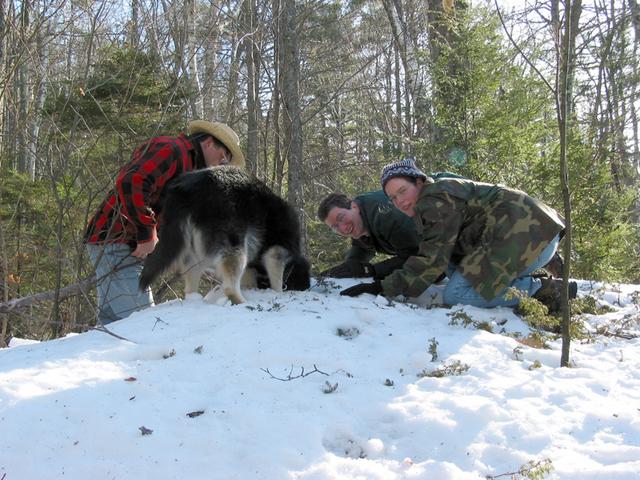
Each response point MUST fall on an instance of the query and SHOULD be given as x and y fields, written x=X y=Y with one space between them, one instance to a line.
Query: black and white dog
x=223 y=219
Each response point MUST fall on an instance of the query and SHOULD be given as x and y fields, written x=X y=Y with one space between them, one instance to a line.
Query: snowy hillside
x=316 y=386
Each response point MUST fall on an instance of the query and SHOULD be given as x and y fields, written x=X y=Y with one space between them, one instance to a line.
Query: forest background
x=323 y=93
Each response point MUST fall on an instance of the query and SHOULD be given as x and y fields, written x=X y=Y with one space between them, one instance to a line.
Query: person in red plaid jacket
x=123 y=231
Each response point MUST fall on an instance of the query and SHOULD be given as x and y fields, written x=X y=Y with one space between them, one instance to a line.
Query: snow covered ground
x=316 y=386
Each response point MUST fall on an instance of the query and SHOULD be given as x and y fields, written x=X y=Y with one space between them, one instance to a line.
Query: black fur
x=217 y=210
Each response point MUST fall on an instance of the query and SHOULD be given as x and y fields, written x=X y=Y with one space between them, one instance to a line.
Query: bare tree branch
x=290 y=377
x=517 y=47
x=30 y=300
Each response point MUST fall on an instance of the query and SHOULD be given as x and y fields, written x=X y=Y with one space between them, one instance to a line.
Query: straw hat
x=223 y=133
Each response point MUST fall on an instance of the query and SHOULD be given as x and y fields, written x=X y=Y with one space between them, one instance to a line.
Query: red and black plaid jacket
x=130 y=212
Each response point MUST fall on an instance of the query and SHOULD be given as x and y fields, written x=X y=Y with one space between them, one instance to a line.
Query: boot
x=550 y=294
x=555 y=265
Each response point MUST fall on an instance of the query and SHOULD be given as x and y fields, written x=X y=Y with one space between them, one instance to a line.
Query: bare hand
x=145 y=248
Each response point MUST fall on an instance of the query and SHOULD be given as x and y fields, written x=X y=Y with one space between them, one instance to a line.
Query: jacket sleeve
x=152 y=166
x=441 y=217
x=402 y=235
x=385 y=267
x=359 y=252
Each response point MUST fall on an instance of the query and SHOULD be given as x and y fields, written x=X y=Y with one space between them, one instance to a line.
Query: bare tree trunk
x=443 y=34
x=290 y=73
x=232 y=88
x=9 y=86
x=405 y=47
x=253 y=82
x=211 y=98
x=134 y=24
x=191 y=16
x=278 y=161
x=566 y=67
x=23 y=91
x=5 y=284
x=150 y=26
x=399 y=129
x=57 y=323
x=179 y=23
x=635 y=22
x=3 y=80
x=40 y=74
x=339 y=125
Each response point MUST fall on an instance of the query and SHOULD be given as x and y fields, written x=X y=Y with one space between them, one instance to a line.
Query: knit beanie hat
x=403 y=168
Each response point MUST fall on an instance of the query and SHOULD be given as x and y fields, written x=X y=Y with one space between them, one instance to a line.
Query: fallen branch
x=290 y=377
x=158 y=319
x=531 y=469
x=616 y=333
x=102 y=328
x=81 y=287
x=30 y=300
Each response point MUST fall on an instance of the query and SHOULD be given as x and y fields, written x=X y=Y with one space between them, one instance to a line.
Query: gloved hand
x=373 y=288
x=350 y=269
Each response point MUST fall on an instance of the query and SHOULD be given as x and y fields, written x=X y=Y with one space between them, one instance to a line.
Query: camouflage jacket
x=489 y=232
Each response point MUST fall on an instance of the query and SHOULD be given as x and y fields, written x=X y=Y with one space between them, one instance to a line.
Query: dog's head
x=297 y=274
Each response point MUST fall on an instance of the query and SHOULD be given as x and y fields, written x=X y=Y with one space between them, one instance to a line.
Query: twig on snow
x=290 y=377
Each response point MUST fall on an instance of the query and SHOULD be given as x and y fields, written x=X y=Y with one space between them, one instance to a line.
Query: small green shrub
x=348 y=333
x=460 y=317
x=535 y=364
x=433 y=349
x=536 y=315
x=588 y=305
x=452 y=369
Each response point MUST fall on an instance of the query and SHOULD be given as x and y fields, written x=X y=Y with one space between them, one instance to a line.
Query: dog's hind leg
x=194 y=261
x=231 y=268
x=249 y=278
x=274 y=260
x=192 y=279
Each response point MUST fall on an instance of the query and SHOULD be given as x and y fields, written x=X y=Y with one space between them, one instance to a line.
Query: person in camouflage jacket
x=124 y=229
x=485 y=237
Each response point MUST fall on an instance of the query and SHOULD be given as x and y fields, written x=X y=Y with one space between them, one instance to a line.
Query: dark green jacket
x=390 y=232
x=490 y=232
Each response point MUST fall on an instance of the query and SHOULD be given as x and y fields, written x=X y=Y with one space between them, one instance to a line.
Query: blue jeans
x=118 y=273
x=459 y=290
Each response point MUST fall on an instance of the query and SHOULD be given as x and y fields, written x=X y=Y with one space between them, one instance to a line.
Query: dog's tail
x=166 y=253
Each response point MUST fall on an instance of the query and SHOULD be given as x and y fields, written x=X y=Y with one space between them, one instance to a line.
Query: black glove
x=350 y=269
x=373 y=288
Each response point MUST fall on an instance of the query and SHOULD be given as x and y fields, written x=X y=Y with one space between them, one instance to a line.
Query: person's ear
x=206 y=143
x=354 y=206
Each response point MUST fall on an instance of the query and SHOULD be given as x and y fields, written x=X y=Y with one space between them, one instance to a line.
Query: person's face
x=215 y=154
x=403 y=194
x=346 y=222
